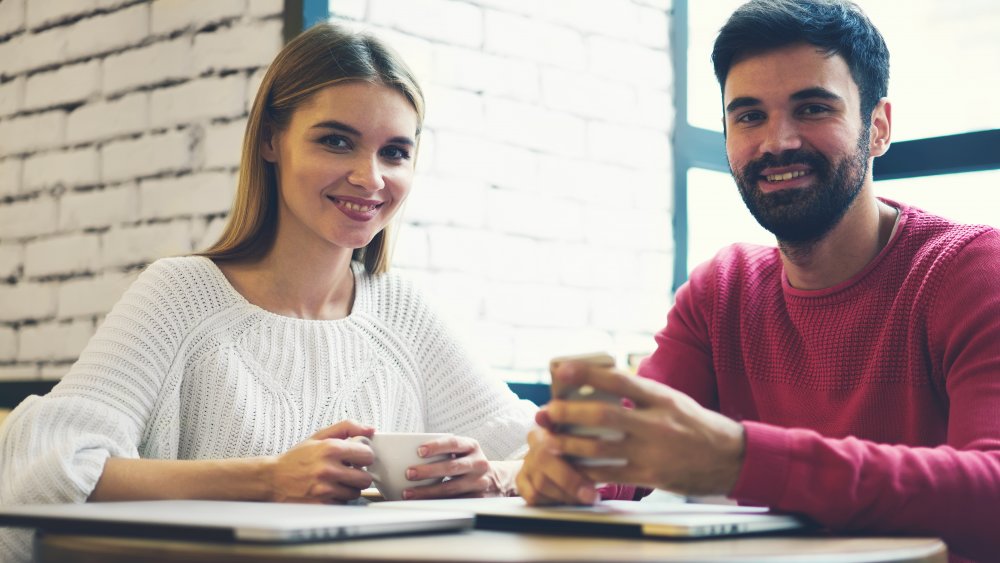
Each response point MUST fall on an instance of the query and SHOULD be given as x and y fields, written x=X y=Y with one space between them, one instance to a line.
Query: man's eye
x=814 y=109
x=750 y=117
x=395 y=153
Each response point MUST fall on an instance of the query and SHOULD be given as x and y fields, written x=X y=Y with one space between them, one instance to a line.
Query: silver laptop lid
x=619 y=518
x=228 y=521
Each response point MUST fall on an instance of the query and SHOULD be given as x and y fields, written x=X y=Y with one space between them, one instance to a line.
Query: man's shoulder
x=739 y=263
x=931 y=237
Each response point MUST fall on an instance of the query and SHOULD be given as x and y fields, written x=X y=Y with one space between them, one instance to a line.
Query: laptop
x=230 y=521
x=615 y=517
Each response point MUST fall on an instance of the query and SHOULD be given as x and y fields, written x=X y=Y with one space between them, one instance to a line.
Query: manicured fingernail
x=421 y=451
x=410 y=473
x=407 y=494
x=586 y=494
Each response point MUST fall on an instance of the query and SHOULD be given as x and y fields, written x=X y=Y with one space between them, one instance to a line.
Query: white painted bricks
x=120 y=126
x=539 y=218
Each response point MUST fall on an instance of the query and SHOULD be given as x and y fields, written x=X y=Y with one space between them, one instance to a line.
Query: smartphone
x=587 y=393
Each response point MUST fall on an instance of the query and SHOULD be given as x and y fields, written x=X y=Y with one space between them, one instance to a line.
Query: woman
x=241 y=373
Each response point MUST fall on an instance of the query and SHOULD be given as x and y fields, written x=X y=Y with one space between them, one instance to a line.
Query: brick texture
x=541 y=193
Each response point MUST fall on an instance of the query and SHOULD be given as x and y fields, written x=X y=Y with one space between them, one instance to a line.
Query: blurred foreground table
x=487 y=546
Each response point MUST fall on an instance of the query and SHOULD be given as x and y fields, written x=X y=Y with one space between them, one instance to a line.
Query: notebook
x=230 y=521
x=615 y=517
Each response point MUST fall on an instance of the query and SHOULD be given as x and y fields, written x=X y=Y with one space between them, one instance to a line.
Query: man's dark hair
x=833 y=26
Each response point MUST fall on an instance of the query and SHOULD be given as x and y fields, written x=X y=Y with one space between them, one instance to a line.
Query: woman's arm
x=323 y=468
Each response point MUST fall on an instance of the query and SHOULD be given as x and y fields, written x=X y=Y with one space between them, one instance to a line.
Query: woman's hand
x=325 y=468
x=469 y=473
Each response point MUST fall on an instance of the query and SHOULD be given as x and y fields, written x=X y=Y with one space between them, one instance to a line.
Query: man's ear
x=268 y=144
x=880 y=132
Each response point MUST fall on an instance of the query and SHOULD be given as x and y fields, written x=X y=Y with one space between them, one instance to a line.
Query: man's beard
x=802 y=216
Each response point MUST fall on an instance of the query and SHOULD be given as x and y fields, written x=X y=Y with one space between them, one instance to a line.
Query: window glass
x=717 y=216
x=942 y=72
x=972 y=197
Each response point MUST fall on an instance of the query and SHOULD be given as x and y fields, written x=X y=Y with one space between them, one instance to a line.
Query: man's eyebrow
x=338 y=126
x=742 y=102
x=817 y=92
x=808 y=93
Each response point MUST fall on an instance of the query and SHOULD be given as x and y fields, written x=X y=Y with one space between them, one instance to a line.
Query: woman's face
x=344 y=164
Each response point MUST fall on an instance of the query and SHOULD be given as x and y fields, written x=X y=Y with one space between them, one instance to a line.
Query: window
x=946 y=128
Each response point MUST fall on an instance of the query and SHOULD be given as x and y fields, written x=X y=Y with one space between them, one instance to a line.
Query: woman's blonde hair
x=324 y=55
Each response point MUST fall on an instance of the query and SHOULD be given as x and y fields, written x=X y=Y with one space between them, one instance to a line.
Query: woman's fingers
x=343 y=430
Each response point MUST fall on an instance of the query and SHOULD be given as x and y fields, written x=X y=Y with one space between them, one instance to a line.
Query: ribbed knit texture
x=872 y=405
x=185 y=368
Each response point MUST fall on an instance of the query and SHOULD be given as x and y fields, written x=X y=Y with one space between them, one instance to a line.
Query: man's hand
x=670 y=441
x=547 y=478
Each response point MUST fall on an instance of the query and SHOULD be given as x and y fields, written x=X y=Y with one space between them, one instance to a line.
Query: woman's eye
x=335 y=142
x=395 y=153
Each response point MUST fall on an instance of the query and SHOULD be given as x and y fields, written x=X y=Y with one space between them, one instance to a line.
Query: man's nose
x=366 y=173
x=780 y=135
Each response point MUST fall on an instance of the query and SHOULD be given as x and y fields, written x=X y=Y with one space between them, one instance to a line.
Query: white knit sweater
x=185 y=368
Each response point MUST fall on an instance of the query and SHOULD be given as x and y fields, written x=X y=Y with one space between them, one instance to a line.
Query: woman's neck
x=298 y=280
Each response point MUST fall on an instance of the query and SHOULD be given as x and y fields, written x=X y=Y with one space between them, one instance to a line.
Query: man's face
x=795 y=141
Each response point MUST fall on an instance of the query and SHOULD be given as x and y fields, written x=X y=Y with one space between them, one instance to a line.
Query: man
x=852 y=374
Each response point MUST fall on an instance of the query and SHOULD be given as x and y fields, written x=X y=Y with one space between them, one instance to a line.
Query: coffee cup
x=395 y=452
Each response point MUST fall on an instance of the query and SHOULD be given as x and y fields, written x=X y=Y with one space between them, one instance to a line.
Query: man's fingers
x=588 y=413
x=616 y=382
x=580 y=446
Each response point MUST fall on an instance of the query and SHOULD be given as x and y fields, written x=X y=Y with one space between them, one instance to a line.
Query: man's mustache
x=811 y=159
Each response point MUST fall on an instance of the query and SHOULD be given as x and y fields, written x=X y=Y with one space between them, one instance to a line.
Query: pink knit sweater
x=872 y=405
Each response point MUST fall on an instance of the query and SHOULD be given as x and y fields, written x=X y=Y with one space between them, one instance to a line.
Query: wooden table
x=488 y=546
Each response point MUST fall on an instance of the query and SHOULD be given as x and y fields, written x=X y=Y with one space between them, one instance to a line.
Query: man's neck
x=859 y=237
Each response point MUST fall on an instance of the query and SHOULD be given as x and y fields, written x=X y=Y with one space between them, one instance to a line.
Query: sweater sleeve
x=53 y=448
x=683 y=355
x=463 y=397
x=951 y=491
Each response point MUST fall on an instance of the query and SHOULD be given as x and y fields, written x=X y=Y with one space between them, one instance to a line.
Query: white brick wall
x=120 y=125
x=539 y=221
x=545 y=192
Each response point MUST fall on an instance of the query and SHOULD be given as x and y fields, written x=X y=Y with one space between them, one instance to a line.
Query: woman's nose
x=367 y=174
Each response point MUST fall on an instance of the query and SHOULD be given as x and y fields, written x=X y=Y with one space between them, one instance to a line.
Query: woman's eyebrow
x=339 y=126
x=331 y=124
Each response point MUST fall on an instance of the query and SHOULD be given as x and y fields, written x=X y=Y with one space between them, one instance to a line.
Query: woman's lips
x=357 y=209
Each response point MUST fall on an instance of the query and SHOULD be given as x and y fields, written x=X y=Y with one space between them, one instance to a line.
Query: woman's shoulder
x=393 y=296
x=190 y=286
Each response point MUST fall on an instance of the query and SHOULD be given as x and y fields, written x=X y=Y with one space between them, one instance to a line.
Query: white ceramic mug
x=395 y=452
